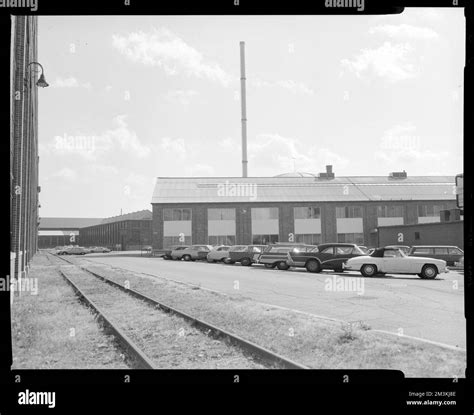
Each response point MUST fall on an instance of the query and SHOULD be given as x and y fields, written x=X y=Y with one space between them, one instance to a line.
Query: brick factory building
x=448 y=231
x=131 y=231
x=297 y=207
x=54 y=232
x=24 y=186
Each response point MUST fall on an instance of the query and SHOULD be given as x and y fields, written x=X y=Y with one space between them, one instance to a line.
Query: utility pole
x=243 y=101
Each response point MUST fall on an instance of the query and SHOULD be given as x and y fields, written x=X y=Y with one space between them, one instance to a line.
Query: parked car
x=450 y=254
x=218 y=253
x=99 y=249
x=192 y=253
x=404 y=248
x=245 y=254
x=460 y=264
x=364 y=249
x=166 y=254
x=325 y=256
x=276 y=255
x=395 y=261
x=75 y=250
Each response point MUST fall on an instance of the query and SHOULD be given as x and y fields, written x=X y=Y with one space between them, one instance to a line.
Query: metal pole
x=243 y=101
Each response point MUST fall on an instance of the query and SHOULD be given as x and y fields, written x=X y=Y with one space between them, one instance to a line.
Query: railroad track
x=260 y=354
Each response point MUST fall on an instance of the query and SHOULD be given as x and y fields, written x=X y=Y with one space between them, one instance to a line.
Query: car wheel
x=283 y=266
x=428 y=272
x=368 y=270
x=269 y=266
x=187 y=257
x=227 y=261
x=246 y=262
x=313 y=266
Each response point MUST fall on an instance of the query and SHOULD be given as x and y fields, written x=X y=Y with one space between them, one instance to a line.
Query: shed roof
x=301 y=189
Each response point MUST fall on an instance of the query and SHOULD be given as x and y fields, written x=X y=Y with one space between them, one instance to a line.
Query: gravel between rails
x=169 y=341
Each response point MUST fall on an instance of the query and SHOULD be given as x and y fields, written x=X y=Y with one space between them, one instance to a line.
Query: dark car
x=276 y=255
x=450 y=254
x=166 y=253
x=324 y=256
x=245 y=254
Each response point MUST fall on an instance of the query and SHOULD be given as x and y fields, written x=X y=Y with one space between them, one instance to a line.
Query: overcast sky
x=134 y=98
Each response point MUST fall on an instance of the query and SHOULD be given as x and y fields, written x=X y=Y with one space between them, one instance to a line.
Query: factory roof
x=139 y=215
x=67 y=223
x=181 y=190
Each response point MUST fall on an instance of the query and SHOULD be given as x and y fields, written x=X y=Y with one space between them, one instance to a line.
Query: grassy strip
x=317 y=343
x=168 y=340
x=52 y=330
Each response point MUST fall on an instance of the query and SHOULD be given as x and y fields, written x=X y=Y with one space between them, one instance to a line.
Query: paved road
x=429 y=309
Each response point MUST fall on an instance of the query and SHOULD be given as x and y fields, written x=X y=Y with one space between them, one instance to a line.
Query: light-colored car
x=192 y=253
x=218 y=253
x=76 y=250
x=99 y=249
x=395 y=261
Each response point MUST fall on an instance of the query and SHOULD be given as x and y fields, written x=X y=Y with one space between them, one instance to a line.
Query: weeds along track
x=156 y=336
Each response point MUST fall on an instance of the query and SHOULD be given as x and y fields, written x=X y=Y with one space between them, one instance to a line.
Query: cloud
x=229 y=144
x=94 y=146
x=294 y=87
x=404 y=31
x=66 y=174
x=274 y=154
x=175 y=147
x=391 y=62
x=166 y=50
x=200 y=169
x=138 y=186
x=183 y=97
x=70 y=82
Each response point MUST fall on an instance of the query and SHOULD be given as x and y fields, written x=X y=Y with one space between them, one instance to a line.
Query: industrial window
x=390 y=211
x=176 y=214
x=264 y=213
x=175 y=240
x=348 y=212
x=307 y=212
x=221 y=214
x=429 y=210
x=264 y=239
x=351 y=238
x=309 y=238
x=222 y=240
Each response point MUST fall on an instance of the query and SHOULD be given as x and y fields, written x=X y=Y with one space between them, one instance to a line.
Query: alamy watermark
x=30 y=4
x=84 y=143
x=345 y=284
x=24 y=285
x=243 y=190
x=359 y=4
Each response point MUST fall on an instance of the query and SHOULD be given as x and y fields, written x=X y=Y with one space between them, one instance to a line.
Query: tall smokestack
x=243 y=101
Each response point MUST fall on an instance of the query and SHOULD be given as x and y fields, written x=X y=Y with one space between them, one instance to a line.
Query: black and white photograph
x=236 y=192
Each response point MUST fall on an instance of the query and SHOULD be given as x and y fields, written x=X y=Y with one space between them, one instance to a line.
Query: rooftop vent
x=328 y=174
x=398 y=175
